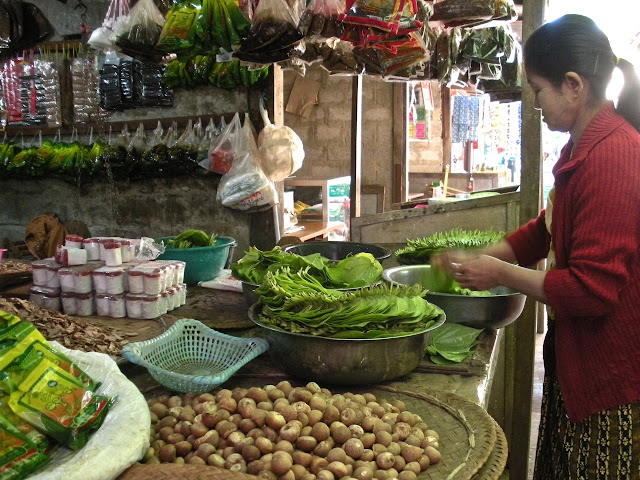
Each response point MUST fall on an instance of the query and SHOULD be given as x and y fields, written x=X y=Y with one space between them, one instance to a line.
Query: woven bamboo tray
x=473 y=447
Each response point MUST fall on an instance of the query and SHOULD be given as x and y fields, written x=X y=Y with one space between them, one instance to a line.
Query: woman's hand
x=477 y=272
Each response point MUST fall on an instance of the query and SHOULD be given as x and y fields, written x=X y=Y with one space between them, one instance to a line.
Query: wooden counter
x=311 y=230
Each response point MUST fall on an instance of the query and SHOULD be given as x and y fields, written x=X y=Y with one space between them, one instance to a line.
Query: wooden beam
x=446 y=126
x=356 y=146
x=521 y=336
x=400 y=188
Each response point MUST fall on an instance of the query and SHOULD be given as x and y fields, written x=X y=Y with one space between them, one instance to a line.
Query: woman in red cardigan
x=590 y=236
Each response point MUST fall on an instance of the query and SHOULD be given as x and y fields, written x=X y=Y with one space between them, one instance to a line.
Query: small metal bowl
x=500 y=309
x=343 y=361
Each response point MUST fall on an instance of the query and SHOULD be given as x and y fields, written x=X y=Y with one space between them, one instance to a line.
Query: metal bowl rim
x=440 y=319
x=387 y=271
x=385 y=252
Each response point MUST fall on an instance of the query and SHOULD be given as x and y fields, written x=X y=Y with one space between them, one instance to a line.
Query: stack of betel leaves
x=419 y=250
x=452 y=343
x=45 y=400
x=296 y=302
x=354 y=271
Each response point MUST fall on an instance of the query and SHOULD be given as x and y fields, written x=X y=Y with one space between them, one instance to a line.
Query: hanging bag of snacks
x=100 y=38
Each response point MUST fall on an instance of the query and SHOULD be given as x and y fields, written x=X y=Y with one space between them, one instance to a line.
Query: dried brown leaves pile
x=14 y=267
x=67 y=330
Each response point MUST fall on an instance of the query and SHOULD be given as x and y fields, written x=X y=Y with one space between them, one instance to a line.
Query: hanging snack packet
x=179 y=30
x=19 y=457
x=52 y=400
x=384 y=15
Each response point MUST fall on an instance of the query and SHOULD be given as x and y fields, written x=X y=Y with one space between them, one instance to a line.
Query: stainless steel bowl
x=345 y=361
x=499 y=310
x=248 y=289
x=336 y=251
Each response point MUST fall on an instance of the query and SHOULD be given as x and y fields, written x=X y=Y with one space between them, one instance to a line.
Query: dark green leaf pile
x=355 y=271
x=295 y=301
x=452 y=343
x=418 y=251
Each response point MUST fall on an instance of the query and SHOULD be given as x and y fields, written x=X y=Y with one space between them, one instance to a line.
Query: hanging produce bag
x=281 y=150
x=137 y=34
x=101 y=38
x=320 y=19
x=181 y=26
x=245 y=186
x=273 y=35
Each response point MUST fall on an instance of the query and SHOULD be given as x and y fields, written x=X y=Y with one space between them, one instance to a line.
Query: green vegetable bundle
x=355 y=271
x=452 y=343
x=418 y=251
x=193 y=238
x=297 y=302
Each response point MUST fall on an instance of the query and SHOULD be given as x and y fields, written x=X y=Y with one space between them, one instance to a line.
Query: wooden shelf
x=314 y=229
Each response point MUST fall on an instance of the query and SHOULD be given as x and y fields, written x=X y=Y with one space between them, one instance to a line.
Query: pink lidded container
x=77 y=279
x=148 y=278
x=45 y=273
x=152 y=306
x=133 y=302
x=70 y=256
x=73 y=241
x=80 y=304
x=111 y=305
x=110 y=280
x=112 y=253
x=181 y=295
x=127 y=249
x=46 y=297
x=92 y=246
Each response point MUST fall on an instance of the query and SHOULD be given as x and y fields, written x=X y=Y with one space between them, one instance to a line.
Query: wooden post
x=520 y=336
x=400 y=142
x=356 y=146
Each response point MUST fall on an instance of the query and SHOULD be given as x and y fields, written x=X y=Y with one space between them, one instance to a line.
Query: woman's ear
x=574 y=82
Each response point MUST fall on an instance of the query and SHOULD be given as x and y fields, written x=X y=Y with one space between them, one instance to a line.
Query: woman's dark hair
x=574 y=43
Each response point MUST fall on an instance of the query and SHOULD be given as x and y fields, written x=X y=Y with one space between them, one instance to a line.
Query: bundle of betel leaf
x=192 y=239
x=419 y=250
x=354 y=271
x=296 y=302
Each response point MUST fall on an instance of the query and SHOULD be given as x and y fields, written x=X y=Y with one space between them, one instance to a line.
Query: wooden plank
x=356 y=146
x=400 y=143
x=520 y=336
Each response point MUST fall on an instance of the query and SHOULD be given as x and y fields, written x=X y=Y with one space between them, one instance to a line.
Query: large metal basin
x=345 y=361
x=496 y=311
x=336 y=251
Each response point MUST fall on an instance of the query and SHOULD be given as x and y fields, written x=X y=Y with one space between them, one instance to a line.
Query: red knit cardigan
x=595 y=288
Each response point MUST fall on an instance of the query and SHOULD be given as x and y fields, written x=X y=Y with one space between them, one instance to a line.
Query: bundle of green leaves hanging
x=296 y=302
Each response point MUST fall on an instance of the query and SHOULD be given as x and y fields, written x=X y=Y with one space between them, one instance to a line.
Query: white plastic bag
x=281 y=150
x=245 y=176
x=100 y=38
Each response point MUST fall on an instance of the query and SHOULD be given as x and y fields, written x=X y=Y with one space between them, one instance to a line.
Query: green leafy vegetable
x=419 y=250
x=452 y=343
x=298 y=303
x=359 y=270
x=193 y=238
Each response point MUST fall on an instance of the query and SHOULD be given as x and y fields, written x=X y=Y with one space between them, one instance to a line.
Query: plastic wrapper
x=273 y=34
x=102 y=37
x=20 y=456
x=474 y=13
x=372 y=13
x=179 y=30
x=137 y=34
x=85 y=88
x=224 y=150
x=245 y=176
x=281 y=150
x=320 y=21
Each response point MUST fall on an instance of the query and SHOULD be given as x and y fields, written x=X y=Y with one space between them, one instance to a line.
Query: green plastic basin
x=201 y=263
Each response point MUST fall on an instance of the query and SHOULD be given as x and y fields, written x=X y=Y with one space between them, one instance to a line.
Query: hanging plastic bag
x=137 y=34
x=100 y=38
x=224 y=150
x=281 y=150
x=245 y=176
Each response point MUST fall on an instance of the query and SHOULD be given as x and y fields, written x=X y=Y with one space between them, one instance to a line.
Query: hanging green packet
x=19 y=457
x=180 y=30
x=52 y=400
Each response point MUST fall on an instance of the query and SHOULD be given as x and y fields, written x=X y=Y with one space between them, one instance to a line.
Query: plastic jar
x=45 y=273
x=80 y=304
x=92 y=246
x=73 y=241
x=111 y=305
x=77 y=279
x=133 y=302
x=110 y=280
x=112 y=253
x=46 y=297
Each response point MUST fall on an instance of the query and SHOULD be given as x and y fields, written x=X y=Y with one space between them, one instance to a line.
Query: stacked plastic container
x=100 y=275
